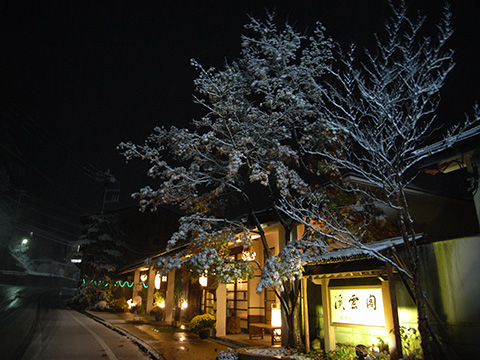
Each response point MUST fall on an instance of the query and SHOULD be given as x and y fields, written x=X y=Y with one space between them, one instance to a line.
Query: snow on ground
x=277 y=351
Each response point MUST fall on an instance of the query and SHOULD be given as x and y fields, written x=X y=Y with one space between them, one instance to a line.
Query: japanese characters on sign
x=357 y=306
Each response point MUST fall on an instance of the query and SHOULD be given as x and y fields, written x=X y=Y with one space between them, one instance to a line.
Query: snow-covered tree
x=242 y=157
x=101 y=246
x=386 y=109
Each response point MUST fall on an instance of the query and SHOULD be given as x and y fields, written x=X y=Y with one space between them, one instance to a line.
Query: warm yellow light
x=248 y=255
x=131 y=303
x=143 y=277
x=203 y=280
x=362 y=305
x=158 y=281
x=160 y=304
x=184 y=304
x=276 y=316
x=164 y=278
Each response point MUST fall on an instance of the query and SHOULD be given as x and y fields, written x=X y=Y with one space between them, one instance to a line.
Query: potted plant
x=158 y=312
x=202 y=325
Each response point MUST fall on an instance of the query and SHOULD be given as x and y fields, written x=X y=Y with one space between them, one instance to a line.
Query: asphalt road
x=34 y=324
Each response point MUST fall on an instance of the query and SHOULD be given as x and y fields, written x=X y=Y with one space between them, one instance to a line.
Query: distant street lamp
x=24 y=245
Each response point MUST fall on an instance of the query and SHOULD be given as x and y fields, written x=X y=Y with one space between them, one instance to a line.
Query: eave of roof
x=133 y=266
x=354 y=253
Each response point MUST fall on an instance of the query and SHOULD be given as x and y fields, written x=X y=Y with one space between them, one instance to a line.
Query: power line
x=31 y=222
x=37 y=204
x=41 y=233
x=58 y=147
x=63 y=191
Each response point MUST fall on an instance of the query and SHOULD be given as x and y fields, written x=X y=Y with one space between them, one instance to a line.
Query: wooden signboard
x=362 y=305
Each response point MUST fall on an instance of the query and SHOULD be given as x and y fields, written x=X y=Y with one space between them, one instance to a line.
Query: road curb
x=143 y=345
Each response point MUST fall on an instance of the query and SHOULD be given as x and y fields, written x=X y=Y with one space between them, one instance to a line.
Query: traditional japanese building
x=349 y=296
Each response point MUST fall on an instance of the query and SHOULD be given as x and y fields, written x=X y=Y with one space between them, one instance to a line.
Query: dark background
x=79 y=77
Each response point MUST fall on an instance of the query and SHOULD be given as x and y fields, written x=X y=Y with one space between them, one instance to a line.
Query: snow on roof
x=355 y=253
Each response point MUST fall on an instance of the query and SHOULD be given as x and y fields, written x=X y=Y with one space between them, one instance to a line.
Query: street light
x=24 y=245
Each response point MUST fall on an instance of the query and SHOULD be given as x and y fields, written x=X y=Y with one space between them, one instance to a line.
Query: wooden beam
x=170 y=298
x=305 y=315
x=316 y=279
x=221 y=296
x=328 y=328
x=150 y=289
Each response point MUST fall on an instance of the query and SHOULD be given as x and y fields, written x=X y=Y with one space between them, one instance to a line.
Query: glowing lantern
x=184 y=304
x=158 y=281
x=276 y=316
x=248 y=255
x=203 y=280
x=143 y=277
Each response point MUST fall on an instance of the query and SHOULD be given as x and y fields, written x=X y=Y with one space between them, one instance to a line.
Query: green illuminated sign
x=117 y=283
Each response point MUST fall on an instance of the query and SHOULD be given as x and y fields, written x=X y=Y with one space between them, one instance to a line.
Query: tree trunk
x=290 y=300
x=409 y=237
x=422 y=323
x=293 y=331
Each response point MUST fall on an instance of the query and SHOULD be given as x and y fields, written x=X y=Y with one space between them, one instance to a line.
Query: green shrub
x=140 y=309
x=202 y=322
x=93 y=292
x=411 y=343
x=118 y=305
x=158 y=312
x=158 y=297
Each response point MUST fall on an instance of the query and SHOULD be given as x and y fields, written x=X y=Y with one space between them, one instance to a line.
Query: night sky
x=79 y=77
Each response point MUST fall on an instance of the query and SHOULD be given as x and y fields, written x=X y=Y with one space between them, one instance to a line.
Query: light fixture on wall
x=184 y=304
x=143 y=276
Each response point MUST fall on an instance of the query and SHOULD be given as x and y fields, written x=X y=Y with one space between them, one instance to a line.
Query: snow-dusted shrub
x=89 y=294
x=100 y=306
x=227 y=355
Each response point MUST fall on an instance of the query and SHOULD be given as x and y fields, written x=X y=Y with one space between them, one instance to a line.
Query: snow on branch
x=325 y=232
